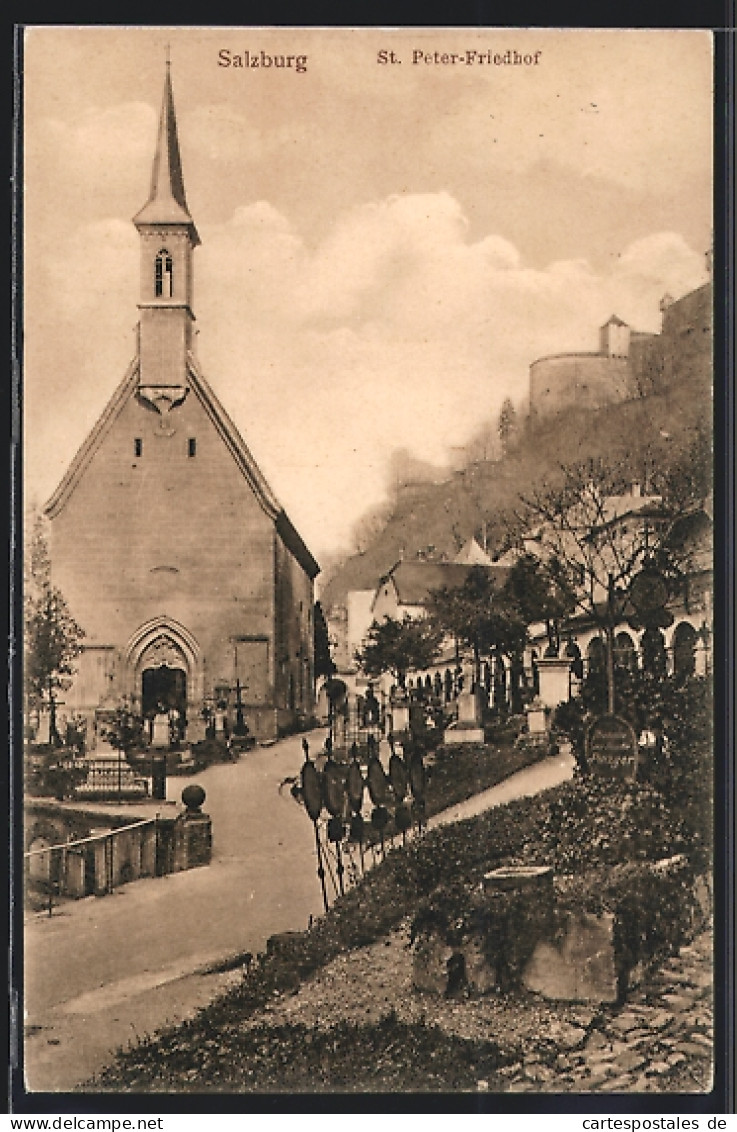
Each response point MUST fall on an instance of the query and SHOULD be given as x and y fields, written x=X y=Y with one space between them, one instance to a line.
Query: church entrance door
x=166 y=688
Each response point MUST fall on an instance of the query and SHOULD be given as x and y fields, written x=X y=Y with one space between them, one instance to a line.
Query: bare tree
x=594 y=533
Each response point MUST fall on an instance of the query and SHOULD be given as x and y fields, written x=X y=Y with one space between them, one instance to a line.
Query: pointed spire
x=167 y=202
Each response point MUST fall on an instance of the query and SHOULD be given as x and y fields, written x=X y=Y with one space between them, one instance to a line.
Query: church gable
x=161 y=513
x=159 y=417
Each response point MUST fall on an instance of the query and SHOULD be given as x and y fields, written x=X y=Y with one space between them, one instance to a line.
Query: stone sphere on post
x=193 y=796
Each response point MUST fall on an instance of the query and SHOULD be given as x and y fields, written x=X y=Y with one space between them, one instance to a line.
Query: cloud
x=219 y=132
x=96 y=157
x=663 y=257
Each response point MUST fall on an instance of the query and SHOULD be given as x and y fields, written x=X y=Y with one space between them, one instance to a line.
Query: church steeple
x=167 y=202
x=168 y=239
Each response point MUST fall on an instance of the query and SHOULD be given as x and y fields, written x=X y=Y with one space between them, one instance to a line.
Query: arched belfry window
x=163 y=278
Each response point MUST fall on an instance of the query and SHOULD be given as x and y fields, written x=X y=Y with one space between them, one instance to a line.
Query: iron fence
x=112 y=776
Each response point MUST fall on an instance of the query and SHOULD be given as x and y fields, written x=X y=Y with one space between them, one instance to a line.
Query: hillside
x=646 y=435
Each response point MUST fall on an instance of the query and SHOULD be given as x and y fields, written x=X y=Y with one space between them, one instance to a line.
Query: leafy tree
x=53 y=639
x=478 y=616
x=324 y=664
x=124 y=729
x=507 y=423
x=399 y=647
x=540 y=593
x=592 y=550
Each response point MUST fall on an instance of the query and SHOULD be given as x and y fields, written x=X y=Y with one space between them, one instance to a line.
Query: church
x=194 y=589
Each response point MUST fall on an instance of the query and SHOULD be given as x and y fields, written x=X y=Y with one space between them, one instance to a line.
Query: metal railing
x=112 y=776
x=94 y=865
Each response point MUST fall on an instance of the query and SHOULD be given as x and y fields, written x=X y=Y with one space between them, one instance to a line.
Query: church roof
x=615 y=320
x=167 y=202
x=413 y=580
x=228 y=432
x=472 y=554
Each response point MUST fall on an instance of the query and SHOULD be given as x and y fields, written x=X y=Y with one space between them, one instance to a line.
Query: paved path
x=530 y=780
x=661 y=1041
x=105 y=971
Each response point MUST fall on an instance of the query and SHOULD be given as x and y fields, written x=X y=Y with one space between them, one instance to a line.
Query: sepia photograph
x=367 y=562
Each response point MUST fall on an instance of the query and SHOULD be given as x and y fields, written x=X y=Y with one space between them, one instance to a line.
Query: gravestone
x=537 y=720
x=611 y=748
x=469 y=709
x=160 y=732
x=468 y=728
x=400 y=716
x=554 y=674
x=43 y=732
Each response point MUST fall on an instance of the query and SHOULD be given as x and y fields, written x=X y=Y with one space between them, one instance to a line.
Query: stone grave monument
x=468 y=728
x=611 y=748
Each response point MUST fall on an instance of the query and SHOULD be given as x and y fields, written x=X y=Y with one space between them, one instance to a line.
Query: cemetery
x=524 y=943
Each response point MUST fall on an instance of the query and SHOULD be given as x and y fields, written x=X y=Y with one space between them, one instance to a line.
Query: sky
x=386 y=247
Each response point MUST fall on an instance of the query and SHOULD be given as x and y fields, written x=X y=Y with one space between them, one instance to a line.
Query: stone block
x=469 y=709
x=537 y=720
x=430 y=964
x=554 y=674
x=582 y=968
x=458 y=733
x=537 y=879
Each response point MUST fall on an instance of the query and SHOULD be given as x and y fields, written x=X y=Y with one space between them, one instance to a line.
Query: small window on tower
x=163 y=275
x=138 y=446
x=192 y=446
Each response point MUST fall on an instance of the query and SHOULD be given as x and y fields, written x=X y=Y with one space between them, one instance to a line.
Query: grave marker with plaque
x=611 y=748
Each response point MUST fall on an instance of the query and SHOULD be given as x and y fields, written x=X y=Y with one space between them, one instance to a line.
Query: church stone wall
x=294 y=638
x=169 y=535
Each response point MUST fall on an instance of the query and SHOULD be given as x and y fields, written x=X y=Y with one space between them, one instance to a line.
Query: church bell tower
x=168 y=239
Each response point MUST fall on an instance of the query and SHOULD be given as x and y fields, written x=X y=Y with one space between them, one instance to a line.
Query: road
x=94 y=957
x=106 y=970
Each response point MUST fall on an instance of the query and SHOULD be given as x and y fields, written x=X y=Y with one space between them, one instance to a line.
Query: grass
x=388 y=1056
x=459 y=772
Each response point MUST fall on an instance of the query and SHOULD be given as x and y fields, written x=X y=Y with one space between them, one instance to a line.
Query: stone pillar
x=400 y=716
x=192 y=832
x=192 y=841
x=555 y=680
x=523 y=899
x=74 y=873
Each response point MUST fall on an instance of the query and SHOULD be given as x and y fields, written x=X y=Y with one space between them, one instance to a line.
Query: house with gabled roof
x=173 y=553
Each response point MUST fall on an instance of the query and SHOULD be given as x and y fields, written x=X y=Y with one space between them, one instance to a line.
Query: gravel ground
x=661 y=1040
